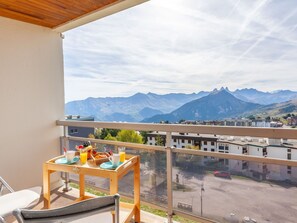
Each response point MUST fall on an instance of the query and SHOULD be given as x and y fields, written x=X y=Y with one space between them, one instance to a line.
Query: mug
x=70 y=154
x=115 y=159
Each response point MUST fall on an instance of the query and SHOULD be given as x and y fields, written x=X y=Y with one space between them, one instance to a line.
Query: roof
x=190 y=136
x=62 y=14
x=79 y=118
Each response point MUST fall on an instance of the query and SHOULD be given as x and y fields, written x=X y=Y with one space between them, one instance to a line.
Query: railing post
x=169 y=177
x=66 y=144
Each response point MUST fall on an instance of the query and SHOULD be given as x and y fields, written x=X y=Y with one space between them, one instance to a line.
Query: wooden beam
x=273 y=133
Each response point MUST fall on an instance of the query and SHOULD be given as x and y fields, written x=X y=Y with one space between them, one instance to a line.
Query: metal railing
x=276 y=133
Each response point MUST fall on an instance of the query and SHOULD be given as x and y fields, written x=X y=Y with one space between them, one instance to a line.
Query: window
x=245 y=165
x=189 y=141
x=174 y=140
x=221 y=147
x=151 y=143
x=205 y=149
x=289 y=156
x=75 y=130
x=183 y=146
x=289 y=170
x=289 y=150
x=212 y=143
x=205 y=143
x=227 y=148
x=212 y=150
x=264 y=151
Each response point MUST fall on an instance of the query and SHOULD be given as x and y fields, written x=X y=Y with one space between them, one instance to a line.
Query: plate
x=64 y=160
x=109 y=166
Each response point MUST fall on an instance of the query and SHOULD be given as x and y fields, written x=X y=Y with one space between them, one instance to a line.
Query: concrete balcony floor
x=60 y=199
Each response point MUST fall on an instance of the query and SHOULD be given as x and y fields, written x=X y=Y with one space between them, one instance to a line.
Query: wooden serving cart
x=132 y=163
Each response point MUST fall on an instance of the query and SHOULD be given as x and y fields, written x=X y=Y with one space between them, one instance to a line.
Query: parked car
x=248 y=220
x=223 y=174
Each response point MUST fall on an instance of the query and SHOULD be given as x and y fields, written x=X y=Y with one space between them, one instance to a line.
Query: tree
x=97 y=133
x=110 y=137
x=181 y=121
x=251 y=117
x=91 y=136
x=104 y=133
x=144 y=136
x=160 y=141
x=192 y=147
x=129 y=136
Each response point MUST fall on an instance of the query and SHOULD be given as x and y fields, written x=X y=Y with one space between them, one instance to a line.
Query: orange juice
x=83 y=157
x=122 y=157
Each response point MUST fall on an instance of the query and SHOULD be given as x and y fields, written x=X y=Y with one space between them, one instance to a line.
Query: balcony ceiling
x=53 y=13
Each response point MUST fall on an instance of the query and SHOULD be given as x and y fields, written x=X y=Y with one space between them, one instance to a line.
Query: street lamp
x=202 y=189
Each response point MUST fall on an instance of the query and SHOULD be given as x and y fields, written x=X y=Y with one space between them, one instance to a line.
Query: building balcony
x=182 y=182
x=198 y=185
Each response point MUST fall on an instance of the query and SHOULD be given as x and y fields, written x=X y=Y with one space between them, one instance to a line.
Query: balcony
x=181 y=181
x=176 y=180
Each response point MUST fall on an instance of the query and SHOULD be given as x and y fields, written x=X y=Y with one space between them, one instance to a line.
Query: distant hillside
x=264 y=98
x=277 y=109
x=132 y=109
x=217 y=105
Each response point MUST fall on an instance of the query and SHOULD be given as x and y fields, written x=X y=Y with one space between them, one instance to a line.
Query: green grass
x=142 y=207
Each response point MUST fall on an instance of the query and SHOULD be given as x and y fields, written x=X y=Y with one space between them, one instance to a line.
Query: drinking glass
x=83 y=156
x=122 y=154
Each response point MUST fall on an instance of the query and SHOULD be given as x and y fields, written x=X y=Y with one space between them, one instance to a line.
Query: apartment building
x=185 y=140
x=79 y=131
x=260 y=147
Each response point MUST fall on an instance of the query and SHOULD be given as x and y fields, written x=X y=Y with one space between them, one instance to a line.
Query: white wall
x=277 y=152
x=294 y=154
x=235 y=149
x=253 y=151
x=32 y=99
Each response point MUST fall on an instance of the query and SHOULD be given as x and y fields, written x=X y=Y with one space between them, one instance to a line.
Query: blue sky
x=165 y=46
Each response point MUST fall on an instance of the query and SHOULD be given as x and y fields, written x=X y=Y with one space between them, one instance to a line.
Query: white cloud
x=184 y=46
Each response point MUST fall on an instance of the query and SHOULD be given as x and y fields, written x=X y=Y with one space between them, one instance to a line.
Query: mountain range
x=215 y=106
x=151 y=107
x=130 y=109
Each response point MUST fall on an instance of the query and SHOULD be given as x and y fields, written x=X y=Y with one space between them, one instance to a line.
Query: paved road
x=242 y=197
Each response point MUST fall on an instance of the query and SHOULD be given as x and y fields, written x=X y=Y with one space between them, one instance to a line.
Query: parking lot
x=236 y=198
